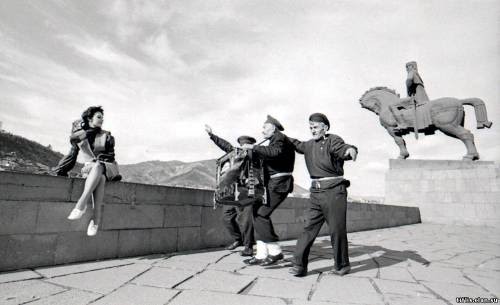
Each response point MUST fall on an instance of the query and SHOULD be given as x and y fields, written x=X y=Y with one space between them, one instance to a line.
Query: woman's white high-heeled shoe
x=76 y=213
x=92 y=228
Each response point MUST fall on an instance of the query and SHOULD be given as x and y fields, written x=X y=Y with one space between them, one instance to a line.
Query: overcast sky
x=162 y=69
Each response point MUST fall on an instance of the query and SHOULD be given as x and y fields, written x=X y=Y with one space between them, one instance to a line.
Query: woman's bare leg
x=93 y=179
x=98 y=201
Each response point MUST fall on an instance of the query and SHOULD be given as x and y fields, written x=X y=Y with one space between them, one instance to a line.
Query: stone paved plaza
x=417 y=264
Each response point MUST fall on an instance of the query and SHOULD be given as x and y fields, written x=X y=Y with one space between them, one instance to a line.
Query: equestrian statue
x=416 y=113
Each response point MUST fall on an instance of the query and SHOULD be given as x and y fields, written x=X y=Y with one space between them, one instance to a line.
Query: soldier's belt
x=280 y=175
x=323 y=182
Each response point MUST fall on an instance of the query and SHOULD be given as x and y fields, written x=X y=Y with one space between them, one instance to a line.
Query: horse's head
x=378 y=98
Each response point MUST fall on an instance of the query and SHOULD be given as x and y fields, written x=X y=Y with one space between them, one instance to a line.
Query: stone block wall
x=138 y=219
x=449 y=192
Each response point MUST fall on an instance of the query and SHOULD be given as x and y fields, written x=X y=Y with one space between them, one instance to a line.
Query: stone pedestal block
x=449 y=192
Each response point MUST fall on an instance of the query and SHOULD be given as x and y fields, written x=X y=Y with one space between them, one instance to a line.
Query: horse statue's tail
x=480 y=109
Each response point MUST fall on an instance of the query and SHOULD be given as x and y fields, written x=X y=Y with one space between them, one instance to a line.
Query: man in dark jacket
x=279 y=159
x=325 y=155
x=245 y=235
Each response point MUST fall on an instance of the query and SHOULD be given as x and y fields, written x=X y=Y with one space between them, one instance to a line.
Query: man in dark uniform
x=324 y=155
x=279 y=159
x=245 y=235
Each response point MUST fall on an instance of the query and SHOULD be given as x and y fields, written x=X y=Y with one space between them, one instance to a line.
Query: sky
x=163 y=69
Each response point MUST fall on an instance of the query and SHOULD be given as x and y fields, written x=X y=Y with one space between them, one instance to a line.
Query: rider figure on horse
x=416 y=95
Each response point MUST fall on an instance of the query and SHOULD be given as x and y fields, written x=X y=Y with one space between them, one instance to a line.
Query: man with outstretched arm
x=279 y=160
x=245 y=235
x=324 y=155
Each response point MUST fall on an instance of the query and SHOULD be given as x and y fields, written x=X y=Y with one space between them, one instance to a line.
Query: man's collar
x=322 y=138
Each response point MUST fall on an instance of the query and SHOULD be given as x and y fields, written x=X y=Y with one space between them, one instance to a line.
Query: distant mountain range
x=199 y=174
x=20 y=154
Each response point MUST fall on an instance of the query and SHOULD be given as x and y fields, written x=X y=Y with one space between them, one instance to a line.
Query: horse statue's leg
x=403 y=152
x=480 y=110
x=457 y=131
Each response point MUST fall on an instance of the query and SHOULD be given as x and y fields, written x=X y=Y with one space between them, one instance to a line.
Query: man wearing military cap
x=324 y=155
x=245 y=235
x=279 y=159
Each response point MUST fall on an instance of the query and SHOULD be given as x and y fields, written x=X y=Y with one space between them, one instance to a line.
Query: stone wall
x=449 y=192
x=138 y=219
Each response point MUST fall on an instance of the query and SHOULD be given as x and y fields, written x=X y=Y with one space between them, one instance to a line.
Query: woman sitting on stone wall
x=97 y=147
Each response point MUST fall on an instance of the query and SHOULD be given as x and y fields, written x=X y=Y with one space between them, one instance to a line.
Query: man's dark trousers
x=328 y=205
x=264 y=229
x=242 y=232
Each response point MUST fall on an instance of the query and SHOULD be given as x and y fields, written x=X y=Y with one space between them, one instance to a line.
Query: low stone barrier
x=138 y=219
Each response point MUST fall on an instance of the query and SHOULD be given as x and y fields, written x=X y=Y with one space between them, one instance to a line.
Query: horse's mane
x=379 y=88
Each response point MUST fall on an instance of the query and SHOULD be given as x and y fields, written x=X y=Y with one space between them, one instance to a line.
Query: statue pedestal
x=448 y=192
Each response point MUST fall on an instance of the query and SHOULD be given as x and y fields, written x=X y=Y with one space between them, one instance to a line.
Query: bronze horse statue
x=445 y=114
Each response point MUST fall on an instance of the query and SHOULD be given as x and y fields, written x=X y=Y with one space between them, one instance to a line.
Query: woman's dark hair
x=89 y=114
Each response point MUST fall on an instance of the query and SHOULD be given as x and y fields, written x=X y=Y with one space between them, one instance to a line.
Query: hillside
x=20 y=154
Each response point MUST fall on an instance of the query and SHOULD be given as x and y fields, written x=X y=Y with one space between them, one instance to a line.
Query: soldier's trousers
x=242 y=232
x=328 y=205
x=264 y=229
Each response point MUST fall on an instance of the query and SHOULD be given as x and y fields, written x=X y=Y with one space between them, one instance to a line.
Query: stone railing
x=138 y=219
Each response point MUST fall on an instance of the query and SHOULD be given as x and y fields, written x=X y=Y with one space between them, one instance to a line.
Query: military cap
x=246 y=140
x=320 y=118
x=275 y=122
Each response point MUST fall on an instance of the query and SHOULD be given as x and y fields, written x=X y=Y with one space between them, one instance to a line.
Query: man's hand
x=352 y=153
x=247 y=146
x=208 y=129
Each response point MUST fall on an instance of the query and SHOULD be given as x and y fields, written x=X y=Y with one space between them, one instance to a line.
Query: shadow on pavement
x=377 y=257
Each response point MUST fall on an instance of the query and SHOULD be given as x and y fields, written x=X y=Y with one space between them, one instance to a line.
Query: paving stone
x=281 y=288
x=78 y=268
x=208 y=297
x=206 y=256
x=101 y=281
x=229 y=267
x=19 y=275
x=365 y=269
x=175 y=263
x=403 y=288
x=396 y=274
x=163 y=277
x=277 y=272
x=394 y=299
x=346 y=290
x=320 y=265
x=213 y=280
x=492 y=284
x=493 y=264
x=147 y=259
x=234 y=258
x=303 y=302
x=438 y=274
x=468 y=259
x=73 y=297
x=450 y=292
x=30 y=290
x=132 y=295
